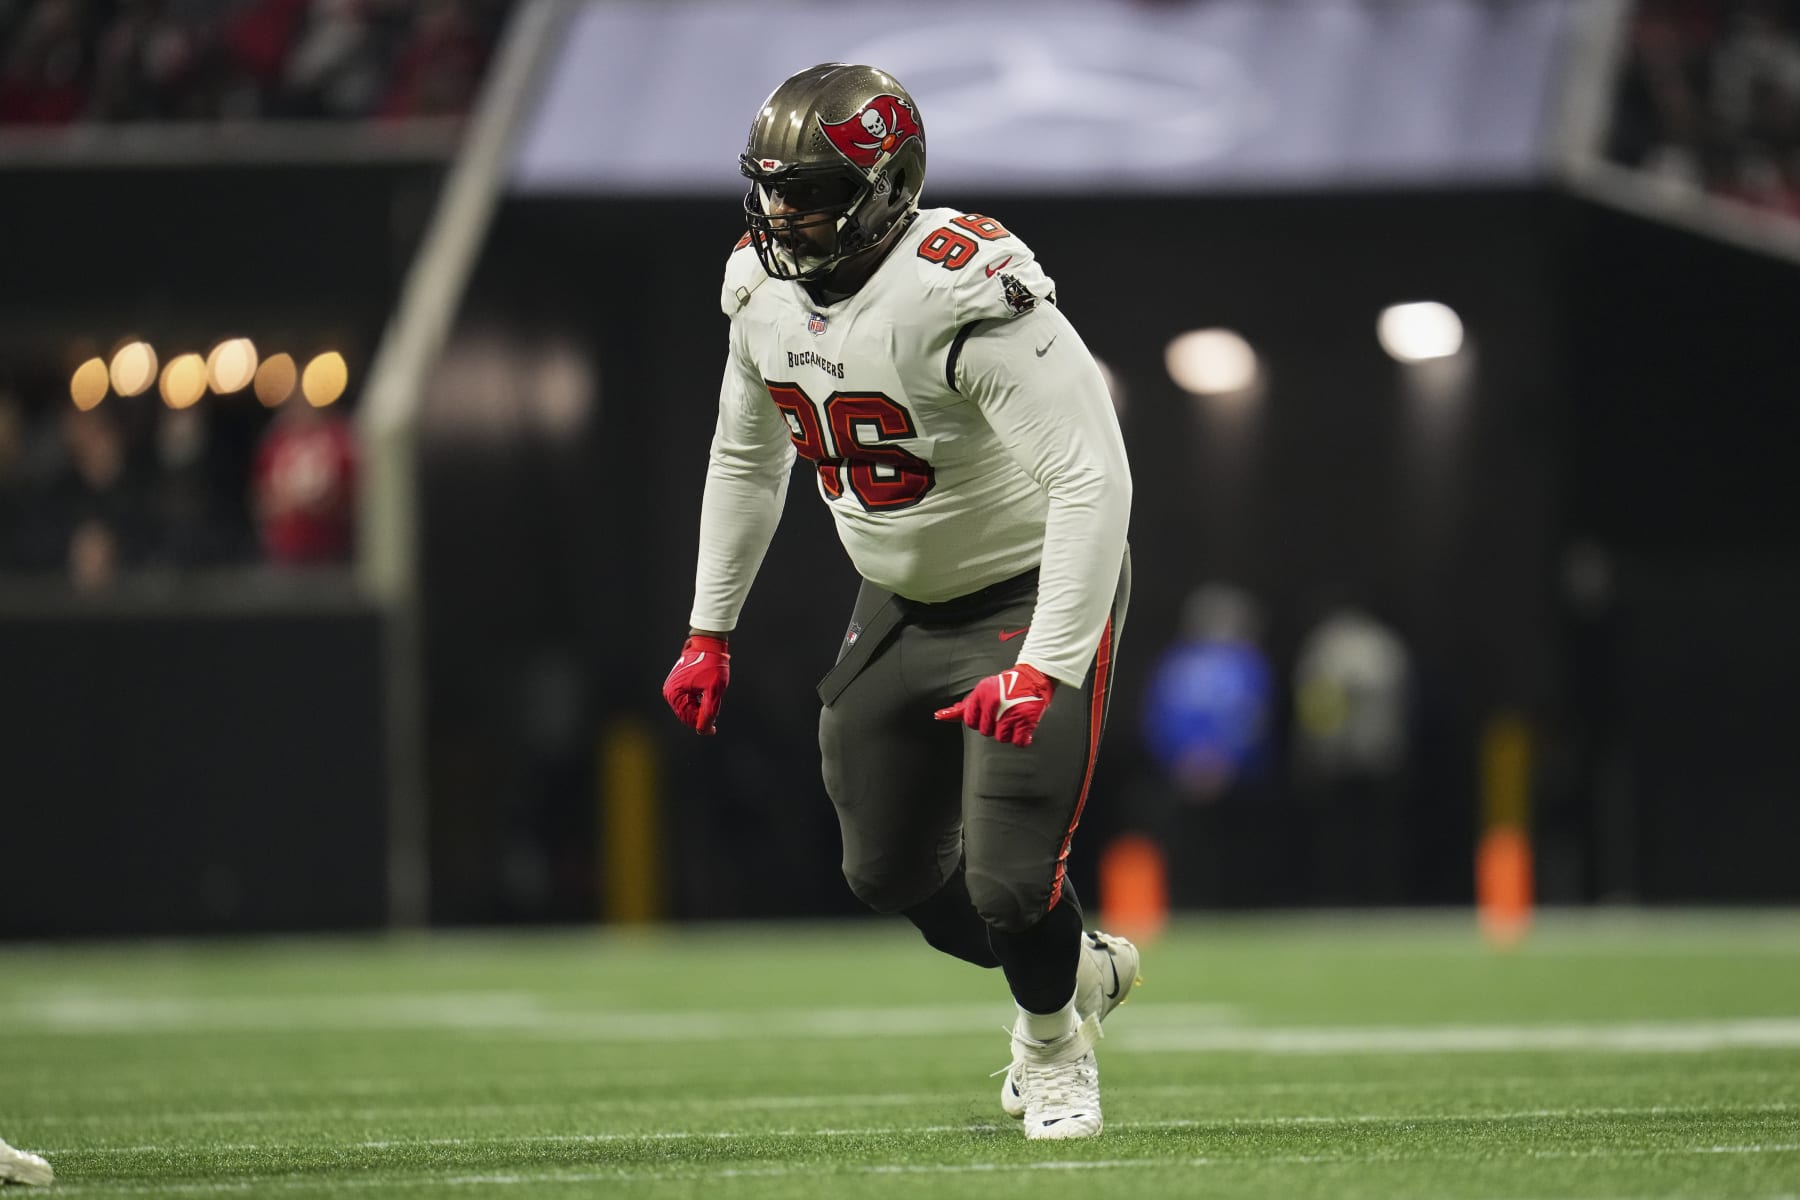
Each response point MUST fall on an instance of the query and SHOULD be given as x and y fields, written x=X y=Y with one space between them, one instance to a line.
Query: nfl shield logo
x=815 y=324
x=852 y=633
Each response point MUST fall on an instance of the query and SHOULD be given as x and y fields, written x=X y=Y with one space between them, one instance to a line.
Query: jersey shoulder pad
x=990 y=271
x=743 y=275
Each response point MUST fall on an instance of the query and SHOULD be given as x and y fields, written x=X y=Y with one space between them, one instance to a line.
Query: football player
x=964 y=441
x=16 y=1166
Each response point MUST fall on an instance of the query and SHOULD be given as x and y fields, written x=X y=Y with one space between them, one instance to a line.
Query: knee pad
x=885 y=893
x=1008 y=905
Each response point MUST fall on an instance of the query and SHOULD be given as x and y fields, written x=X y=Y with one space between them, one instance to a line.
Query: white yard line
x=1611 y=1037
x=579 y=1089
x=1146 y=1029
x=81 y=1010
x=510 y=1013
x=1221 y=1123
x=634 y=1175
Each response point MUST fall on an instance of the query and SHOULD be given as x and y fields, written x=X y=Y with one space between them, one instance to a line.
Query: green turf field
x=1612 y=1056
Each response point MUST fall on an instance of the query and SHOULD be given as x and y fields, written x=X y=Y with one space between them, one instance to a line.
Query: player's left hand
x=1007 y=706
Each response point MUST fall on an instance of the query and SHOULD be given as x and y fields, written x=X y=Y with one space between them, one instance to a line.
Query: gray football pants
x=914 y=794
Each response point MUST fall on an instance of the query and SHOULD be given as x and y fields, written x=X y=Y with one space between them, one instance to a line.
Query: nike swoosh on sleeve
x=997 y=266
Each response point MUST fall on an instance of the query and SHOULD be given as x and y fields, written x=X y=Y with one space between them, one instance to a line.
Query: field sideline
x=1374 y=1055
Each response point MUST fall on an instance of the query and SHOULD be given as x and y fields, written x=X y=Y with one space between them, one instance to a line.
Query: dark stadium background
x=213 y=747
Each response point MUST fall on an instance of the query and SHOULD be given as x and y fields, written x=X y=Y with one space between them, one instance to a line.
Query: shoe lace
x=1064 y=1085
x=1020 y=1059
x=1008 y=1031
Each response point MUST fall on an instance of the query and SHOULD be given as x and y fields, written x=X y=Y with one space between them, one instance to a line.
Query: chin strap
x=877 y=249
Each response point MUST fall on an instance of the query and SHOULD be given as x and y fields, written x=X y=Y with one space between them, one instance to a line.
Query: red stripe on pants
x=1096 y=717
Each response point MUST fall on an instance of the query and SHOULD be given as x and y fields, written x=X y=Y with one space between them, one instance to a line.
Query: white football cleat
x=1104 y=977
x=16 y=1166
x=1060 y=1082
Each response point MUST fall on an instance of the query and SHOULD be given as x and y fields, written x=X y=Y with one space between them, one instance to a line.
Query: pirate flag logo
x=1018 y=297
x=874 y=132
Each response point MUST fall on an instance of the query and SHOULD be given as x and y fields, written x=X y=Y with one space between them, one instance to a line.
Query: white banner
x=1056 y=97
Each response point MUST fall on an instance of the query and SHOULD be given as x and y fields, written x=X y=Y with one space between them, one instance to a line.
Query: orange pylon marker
x=1134 y=887
x=1503 y=876
x=1503 y=885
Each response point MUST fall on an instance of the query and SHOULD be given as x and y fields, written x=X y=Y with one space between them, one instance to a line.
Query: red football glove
x=1007 y=706
x=696 y=686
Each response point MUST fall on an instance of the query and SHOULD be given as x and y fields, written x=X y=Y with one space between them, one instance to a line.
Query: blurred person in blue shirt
x=1206 y=713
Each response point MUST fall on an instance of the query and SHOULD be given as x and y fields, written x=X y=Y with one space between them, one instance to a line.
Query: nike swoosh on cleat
x=1114 y=967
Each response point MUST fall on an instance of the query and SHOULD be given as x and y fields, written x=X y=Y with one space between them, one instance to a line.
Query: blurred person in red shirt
x=439 y=65
x=303 y=486
x=44 y=64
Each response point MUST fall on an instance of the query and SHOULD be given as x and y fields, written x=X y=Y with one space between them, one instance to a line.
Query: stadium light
x=184 y=381
x=1212 y=362
x=1419 y=332
x=324 y=379
x=275 y=379
x=133 y=368
x=87 y=387
x=231 y=365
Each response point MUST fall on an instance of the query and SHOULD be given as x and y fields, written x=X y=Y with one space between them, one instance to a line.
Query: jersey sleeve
x=747 y=476
x=1000 y=279
x=1040 y=390
x=743 y=275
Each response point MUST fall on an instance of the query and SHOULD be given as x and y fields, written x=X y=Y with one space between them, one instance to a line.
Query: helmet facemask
x=815 y=201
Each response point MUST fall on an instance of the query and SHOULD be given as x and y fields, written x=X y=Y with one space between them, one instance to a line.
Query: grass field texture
x=1612 y=1055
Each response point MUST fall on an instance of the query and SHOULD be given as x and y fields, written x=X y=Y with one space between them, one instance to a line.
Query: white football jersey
x=942 y=408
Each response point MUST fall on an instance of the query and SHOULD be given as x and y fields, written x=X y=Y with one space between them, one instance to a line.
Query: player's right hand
x=696 y=686
x=1007 y=706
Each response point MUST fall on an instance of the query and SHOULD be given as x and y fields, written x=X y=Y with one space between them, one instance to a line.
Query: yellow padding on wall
x=630 y=826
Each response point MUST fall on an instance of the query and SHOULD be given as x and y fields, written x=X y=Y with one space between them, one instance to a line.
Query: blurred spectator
x=1351 y=748
x=1710 y=97
x=257 y=37
x=185 y=493
x=147 y=64
x=93 y=521
x=45 y=63
x=137 y=485
x=1350 y=699
x=438 y=68
x=335 y=67
x=13 y=480
x=1206 y=714
x=304 y=486
x=125 y=60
